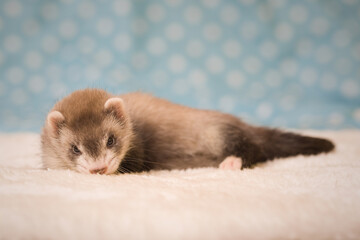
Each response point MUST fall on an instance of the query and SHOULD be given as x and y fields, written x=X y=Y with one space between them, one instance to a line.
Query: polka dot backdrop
x=279 y=62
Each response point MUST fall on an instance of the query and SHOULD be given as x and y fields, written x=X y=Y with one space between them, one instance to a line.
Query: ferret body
x=92 y=131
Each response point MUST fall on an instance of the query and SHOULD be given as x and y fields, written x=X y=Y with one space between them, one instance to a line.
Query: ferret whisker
x=145 y=161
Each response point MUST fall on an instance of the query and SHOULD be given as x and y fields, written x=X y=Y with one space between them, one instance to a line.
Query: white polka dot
x=289 y=67
x=156 y=46
x=2 y=58
x=119 y=76
x=67 y=1
x=298 y=14
x=308 y=76
x=343 y=66
x=15 y=75
x=284 y=32
x=92 y=73
x=235 y=79
x=319 y=26
x=264 y=110
x=174 y=32
x=247 y=2
x=268 y=50
x=328 y=81
x=288 y=102
x=160 y=78
x=273 y=78
x=74 y=73
x=232 y=48
x=356 y=51
x=180 y=87
x=210 y=3
x=350 y=2
x=264 y=14
x=229 y=14
x=341 y=38
x=68 y=53
x=68 y=29
x=105 y=26
x=252 y=65
x=13 y=8
x=155 y=12
x=195 y=48
x=139 y=61
x=304 y=47
x=350 y=89
x=50 y=44
x=173 y=3
x=36 y=84
x=33 y=60
x=122 y=7
x=12 y=43
x=103 y=58
x=122 y=42
x=352 y=24
x=249 y=30
x=86 y=45
x=198 y=78
x=336 y=119
x=227 y=103
x=139 y=26
x=2 y=88
x=295 y=89
x=86 y=10
x=212 y=32
x=193 y=15
x=256 y=90
x=58 y=90
x=50 y=11
x=31 y=27
x=177 y=63
x=54 y=72
x=356 y=115
x=323 y=54
x=18 y=97
x=277 y=3
x=215 y=64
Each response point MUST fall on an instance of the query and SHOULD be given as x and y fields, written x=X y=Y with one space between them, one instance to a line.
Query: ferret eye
x=75 y=150
x=110 y=142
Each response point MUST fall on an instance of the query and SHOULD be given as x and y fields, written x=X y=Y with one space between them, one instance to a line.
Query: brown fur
x=157 y=134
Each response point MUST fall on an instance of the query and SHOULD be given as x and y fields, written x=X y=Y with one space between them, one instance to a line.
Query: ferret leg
x=231 y=163
x=241 y=144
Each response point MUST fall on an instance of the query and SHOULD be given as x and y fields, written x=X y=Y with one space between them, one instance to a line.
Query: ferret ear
x=55 y=119
x=116 y=106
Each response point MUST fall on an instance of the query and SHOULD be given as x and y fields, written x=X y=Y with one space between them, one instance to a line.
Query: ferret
x=92 y=131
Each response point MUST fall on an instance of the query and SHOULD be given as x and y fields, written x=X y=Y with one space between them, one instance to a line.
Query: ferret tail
x=278 y=144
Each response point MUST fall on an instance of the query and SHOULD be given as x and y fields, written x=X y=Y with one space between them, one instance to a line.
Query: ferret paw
x=231 y=163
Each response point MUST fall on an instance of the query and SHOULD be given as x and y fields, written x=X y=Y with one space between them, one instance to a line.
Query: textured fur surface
x=153 y=133
x=314 y=197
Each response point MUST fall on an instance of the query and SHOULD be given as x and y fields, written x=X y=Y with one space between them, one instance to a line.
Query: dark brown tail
x=278 y=144
x=259 y=144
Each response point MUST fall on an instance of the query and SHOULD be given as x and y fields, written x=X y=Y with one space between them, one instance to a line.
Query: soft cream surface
x=296 y=198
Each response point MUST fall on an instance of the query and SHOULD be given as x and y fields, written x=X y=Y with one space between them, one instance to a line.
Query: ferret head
x=89 y=131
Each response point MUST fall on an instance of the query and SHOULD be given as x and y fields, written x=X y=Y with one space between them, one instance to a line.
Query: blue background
x=277 y=63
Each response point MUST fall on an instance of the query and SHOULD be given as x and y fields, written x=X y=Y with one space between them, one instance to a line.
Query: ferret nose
x=98 y=170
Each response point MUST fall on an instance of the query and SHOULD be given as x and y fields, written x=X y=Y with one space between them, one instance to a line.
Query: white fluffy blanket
x=296 y=198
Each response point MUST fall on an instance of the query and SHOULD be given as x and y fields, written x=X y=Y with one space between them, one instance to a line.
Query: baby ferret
x=93 y=131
